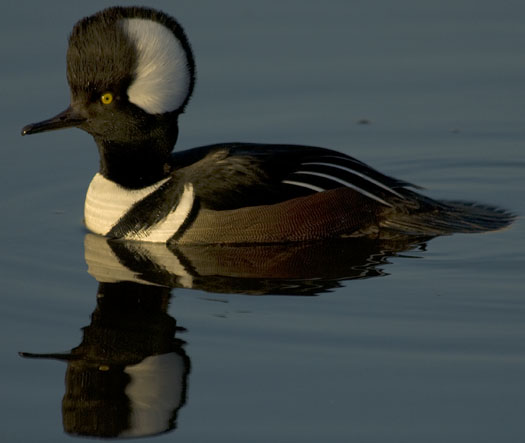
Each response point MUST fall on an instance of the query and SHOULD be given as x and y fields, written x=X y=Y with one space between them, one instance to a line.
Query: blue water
x=429 y=347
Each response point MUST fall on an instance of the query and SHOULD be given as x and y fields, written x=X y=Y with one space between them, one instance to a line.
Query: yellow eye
x=106 y=98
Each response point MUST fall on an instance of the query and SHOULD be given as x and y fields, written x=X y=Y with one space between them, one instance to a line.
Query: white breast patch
x=106 y=202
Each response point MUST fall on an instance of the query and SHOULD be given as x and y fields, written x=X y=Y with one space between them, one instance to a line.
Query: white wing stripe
x=304 y=185
x=371 y=180
x=347 y=184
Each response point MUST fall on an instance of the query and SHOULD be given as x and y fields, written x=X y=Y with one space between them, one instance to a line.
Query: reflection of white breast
x=104 y=264
x=106 y=202
x=156 y=391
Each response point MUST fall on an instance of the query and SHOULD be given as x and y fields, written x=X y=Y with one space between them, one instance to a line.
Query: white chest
x=107 y=202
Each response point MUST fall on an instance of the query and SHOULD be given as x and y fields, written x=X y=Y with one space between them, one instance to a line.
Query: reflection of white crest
x=156 y=391
x=162 y=78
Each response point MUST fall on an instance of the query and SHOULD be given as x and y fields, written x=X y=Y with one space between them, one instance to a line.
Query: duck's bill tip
x=66 y=119
x=28 y=129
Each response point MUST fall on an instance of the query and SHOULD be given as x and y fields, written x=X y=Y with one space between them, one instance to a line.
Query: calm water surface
x=400 y=342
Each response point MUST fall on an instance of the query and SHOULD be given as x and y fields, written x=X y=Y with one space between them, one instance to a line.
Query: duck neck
x=133 y=166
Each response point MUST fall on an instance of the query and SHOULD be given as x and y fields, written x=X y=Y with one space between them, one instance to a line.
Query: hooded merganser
x=131 y=73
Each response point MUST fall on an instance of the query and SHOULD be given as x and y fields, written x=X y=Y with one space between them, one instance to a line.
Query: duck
x=131 y=73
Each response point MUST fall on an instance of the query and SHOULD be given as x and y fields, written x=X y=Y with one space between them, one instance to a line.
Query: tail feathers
x=448 y=217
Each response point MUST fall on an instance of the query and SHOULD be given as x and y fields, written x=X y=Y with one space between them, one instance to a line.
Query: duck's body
x=257 y=193
x=131 y=73
x=250 y=193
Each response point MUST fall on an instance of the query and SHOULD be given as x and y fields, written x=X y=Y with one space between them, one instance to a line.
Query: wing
x=234 y=175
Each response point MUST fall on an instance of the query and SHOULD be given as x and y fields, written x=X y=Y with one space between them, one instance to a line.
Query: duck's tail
x=447 y=217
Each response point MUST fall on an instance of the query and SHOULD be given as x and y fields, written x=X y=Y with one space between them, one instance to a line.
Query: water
x=422 y=345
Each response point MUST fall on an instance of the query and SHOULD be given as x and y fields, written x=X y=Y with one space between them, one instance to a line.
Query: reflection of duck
x=131 y=73
x=294 y=269
x=128 y=377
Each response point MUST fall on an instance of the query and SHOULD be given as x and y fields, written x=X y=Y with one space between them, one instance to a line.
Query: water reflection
x=129 y=375
x=285 y=269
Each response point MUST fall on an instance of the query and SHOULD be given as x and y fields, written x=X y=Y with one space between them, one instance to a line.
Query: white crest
x=162 y=76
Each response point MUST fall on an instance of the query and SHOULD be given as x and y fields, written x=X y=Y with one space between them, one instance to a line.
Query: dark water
x=404 y=342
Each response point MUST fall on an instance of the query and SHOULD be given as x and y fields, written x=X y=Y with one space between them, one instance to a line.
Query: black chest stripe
x=149 y=211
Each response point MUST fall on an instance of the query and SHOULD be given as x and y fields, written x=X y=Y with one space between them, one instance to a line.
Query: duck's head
x=131 y=73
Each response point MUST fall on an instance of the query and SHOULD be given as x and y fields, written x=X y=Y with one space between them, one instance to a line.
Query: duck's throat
x=132 y=166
